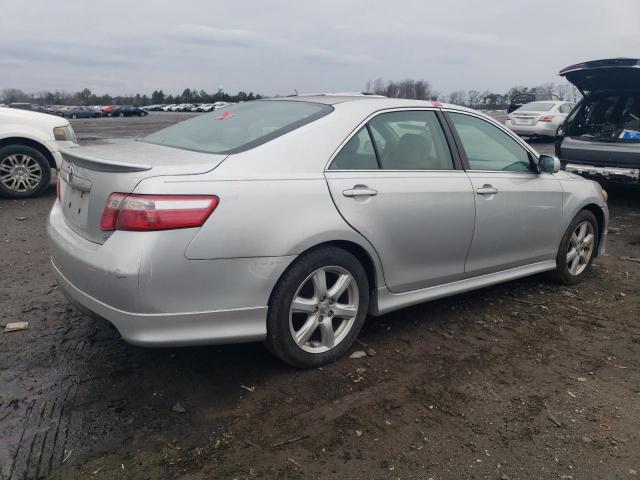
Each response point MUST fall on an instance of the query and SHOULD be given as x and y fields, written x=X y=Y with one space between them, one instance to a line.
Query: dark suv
x=523 y=98
x=601 y=136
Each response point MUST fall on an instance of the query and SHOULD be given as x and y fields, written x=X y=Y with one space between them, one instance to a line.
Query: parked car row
x=186 y=107
x=72 y=111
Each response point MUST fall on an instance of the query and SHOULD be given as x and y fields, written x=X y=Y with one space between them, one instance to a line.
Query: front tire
x=24 y=172
x=317 y=308
x=577 y=249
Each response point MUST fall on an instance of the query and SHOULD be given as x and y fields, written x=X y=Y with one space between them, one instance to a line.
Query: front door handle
x=487 y=189
x=360 y=191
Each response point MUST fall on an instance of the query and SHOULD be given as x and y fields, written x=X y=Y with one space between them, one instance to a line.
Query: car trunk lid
x=90 y=174
x=604 y=75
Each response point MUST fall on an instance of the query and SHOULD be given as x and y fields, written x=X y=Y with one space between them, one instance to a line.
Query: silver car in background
x=289 y=220
x=539 y=119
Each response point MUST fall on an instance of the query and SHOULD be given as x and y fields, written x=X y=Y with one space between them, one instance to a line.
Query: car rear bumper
x=173 y=329
x=621 y=174
x=544 y=129
x=142 y=283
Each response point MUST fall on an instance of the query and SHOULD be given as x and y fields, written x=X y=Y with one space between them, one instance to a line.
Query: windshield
x=537 y=107
x=239 y=127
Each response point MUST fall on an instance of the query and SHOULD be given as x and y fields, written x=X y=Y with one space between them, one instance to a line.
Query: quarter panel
x=263 y=218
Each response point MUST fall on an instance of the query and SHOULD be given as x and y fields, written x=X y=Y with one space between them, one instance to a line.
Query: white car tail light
x=156 y=212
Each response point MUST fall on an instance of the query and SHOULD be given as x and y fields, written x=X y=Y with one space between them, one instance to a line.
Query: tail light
x=546 y=118
x=58 y=195
x=142 y=213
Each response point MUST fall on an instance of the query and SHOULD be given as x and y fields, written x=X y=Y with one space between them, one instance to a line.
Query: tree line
x=408 y=88
x=422 y=90
x=87 y=97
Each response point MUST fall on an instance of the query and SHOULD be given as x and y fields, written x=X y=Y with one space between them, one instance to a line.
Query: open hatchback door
x=614 y=74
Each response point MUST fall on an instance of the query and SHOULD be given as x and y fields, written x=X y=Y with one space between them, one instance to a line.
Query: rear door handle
x=487 y=189
x=360 y=192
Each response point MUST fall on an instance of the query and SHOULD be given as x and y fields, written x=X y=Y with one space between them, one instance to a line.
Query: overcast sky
x=276 y=46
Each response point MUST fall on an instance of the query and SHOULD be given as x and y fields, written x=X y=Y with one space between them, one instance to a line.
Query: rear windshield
x=537 y=107
x=239 y=127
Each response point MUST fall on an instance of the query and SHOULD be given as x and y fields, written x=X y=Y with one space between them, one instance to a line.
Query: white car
x=30 y=145
x=539 y=119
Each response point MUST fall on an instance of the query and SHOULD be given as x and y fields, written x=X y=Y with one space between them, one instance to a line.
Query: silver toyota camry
x=290 y=220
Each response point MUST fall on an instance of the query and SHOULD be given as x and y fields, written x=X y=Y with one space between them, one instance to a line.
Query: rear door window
x=239 y=127
x=411 y=140
x=405 y=140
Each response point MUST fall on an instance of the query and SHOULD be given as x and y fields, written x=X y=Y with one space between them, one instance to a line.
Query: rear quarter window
x=239 y=127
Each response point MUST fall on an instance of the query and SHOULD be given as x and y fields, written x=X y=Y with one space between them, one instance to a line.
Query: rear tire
x=577 y=249
x=24 y=172
x=326 y=316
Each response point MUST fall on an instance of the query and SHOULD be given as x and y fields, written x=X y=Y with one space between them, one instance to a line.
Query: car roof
x=379 y=101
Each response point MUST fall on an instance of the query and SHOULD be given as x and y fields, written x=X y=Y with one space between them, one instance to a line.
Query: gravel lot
x=526 y=380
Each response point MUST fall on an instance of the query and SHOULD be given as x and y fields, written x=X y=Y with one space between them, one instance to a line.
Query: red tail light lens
x=110 y=213
x=546 y=118
x=58 y=196
x=142 y=213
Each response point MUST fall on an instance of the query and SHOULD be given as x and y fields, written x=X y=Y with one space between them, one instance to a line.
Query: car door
x=396 y=182
x=518 y=211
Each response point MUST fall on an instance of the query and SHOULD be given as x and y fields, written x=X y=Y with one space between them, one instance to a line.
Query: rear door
x=396 y=182
x=518 y=211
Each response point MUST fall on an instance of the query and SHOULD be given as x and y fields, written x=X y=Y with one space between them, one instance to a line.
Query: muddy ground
x=526 y=380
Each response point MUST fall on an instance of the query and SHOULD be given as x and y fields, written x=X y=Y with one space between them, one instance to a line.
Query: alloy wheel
x=20 y=172
x=324 y=309
x=581 y=248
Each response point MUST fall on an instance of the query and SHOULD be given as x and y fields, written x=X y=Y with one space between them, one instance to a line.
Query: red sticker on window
x=225 y=115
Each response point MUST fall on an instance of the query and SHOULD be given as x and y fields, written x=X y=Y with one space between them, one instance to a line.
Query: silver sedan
x=289 y=220
x=539 y=119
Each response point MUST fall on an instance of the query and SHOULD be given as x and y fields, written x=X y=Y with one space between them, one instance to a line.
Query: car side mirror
x=548 y=164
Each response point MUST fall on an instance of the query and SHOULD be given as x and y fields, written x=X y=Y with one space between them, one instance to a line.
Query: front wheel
x=317 y=308
x=577 y=249
x=24 y=171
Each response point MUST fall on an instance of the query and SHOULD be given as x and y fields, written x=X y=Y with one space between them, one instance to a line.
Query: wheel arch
x=5 y=142
x=358 y=251
x=599 y=214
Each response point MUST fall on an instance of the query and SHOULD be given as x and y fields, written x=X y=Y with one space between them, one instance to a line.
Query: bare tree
x=458 y=97
x=474 y=98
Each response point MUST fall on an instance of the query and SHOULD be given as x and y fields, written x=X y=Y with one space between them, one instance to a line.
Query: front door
x=395 y=182
x=518 y=211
